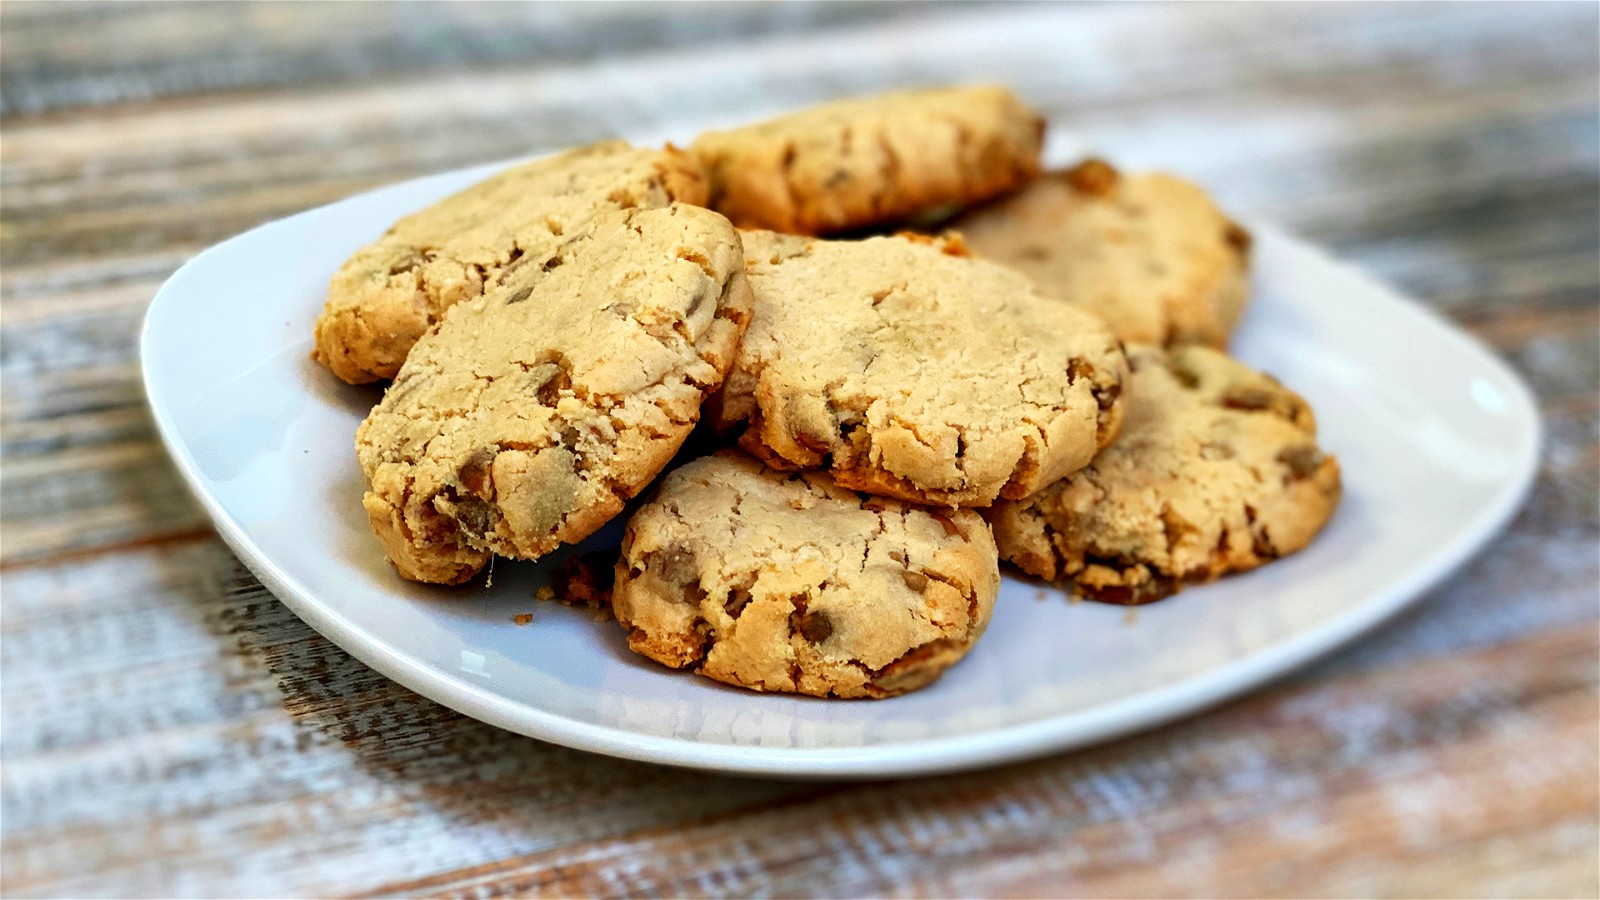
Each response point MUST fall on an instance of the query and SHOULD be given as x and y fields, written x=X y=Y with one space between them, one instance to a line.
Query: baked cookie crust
x=1150 y=253
x=857 y=163
x=787 y=582
x=907 y=369
x=1217 y=471
x=391 y=291
x=530 y=414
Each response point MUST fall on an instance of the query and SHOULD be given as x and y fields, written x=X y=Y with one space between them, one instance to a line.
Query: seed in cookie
x=1197 y=486
x=910 y=371
x=514 y=427
x=1151 y=253
x=388 y=294
x=790 y=583
x=855 y=163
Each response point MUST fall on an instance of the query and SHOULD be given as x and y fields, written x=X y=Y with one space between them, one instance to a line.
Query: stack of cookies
x=918 y=355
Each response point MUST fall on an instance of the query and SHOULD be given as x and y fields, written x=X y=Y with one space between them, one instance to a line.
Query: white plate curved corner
x=1438 y=439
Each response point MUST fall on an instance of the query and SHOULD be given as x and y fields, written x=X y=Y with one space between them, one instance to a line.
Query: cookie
x=530 y=414
x=386 y=295
x=788 y=582
x=1150 y=253
x=856 y=163
x=909 y=370
x=1217 y=470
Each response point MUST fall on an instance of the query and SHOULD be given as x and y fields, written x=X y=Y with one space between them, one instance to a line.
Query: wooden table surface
x=170 y=729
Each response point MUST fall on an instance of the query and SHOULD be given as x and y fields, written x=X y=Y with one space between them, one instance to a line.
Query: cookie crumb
x=545 y=593
x=1093 y=176
x=522 y=618
x=1238 y=238
x=586 y=580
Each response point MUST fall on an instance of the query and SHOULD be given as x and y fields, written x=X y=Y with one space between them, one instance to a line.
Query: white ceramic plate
x=1438 y=441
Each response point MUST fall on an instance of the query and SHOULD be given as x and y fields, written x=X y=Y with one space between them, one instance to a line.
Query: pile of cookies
x=914 y=354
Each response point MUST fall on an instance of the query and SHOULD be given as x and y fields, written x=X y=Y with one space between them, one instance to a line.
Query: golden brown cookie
x=526 y=418
x=906 y=369
x=1151 y=253
x=856 y=163
x=386 y=295
x=779 y=582
x=1217 y=470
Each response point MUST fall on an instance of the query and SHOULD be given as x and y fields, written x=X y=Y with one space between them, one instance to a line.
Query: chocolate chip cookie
x=787 y=582
x=855 y=163
x=526 y=418
x=386 y=295
x=1151 y=253
x=1217 y=470
x=907 y=369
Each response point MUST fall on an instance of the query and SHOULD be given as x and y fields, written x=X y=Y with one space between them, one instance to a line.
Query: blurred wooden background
x=170 y=729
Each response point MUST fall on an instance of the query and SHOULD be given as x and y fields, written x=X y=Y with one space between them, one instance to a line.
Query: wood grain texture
x=170 y=729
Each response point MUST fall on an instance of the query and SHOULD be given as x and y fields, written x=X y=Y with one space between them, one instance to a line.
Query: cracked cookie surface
x=908 y=370
x=1217 y=470
x=530 y=414
x=1150 y=253
x=387 y=295
x=788 y=582
x=855 y=163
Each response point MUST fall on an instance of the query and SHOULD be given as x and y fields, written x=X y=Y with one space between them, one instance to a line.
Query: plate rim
x=923 y=756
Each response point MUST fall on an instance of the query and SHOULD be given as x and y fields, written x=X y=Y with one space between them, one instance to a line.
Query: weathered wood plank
x=284 y=701
x=90 y=497
x=1194 y=93
x=1527 y=236
x=1252 y=766
x=171 y=729
x=96 y=54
